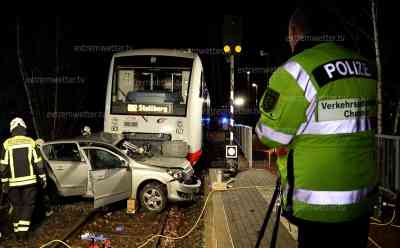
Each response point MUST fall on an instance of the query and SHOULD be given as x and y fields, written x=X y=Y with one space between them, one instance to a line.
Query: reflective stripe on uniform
x=36 y=157
x=302 y=78
x=338 y=127
x=330 y=197
x=4 y=160
x=23 y=183
x=20 y=146
x=269 y=133
x=24 y=222
x=4 y=180
x=19 y=179
x=30 y=161
x=15 y=224
x=23 y=225
x=23 y=228
x=12 y=169
x=309 y=114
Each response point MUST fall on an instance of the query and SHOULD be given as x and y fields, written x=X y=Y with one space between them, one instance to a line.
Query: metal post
x=256 y=96
x=232 y=95
x=397 y=164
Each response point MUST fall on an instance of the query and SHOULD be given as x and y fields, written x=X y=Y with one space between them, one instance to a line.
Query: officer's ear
x=296 y=34
x=298 y=26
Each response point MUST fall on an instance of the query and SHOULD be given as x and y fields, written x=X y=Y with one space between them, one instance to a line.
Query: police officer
x=23 y=170
x=320 y=106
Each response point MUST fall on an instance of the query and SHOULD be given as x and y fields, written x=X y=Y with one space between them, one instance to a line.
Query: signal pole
x=231 y=50
x=232 y=96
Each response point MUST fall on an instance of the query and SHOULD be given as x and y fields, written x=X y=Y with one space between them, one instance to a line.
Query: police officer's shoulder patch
x=269 y=100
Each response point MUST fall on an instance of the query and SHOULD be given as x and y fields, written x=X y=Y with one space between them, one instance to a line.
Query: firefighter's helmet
x=86 y=131
x=17 y=122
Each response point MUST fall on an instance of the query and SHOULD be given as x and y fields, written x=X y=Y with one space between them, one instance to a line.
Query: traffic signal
x=232 y=34
x=232 y=48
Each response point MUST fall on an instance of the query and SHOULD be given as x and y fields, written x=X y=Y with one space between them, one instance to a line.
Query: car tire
x=153 y=197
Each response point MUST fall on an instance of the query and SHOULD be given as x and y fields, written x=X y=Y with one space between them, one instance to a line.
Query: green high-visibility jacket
x=321 y=105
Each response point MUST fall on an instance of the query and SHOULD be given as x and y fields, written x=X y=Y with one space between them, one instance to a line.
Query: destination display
x=150 y=108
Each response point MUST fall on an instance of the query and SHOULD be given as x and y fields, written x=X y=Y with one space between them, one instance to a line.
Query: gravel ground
x=179 y=222
x=48 y=228
x=124 y=230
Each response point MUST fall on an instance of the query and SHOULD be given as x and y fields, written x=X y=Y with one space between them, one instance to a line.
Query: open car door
x=67 y=166
x=111 y=176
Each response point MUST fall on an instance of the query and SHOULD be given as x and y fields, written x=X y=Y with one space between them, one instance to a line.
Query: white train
x=158 y=97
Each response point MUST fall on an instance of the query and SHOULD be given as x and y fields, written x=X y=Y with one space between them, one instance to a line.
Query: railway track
x=93 y=222
x=73 y=230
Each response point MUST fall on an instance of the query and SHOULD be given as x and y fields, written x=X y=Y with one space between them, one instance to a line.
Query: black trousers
x=23 y=200
x=345 y=234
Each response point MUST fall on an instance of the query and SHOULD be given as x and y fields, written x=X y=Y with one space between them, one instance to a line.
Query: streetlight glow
x=239 y=101
x=254 y=85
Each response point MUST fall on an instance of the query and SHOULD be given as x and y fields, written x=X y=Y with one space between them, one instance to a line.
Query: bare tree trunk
x=379 y=143
x=396 y=119
x=378 y=66
x=53 y=133
x=22 y=72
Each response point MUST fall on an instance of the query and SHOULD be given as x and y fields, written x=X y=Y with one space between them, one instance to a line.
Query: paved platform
x=234 y=217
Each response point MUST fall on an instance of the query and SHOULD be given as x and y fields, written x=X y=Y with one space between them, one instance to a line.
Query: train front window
x=151 y=85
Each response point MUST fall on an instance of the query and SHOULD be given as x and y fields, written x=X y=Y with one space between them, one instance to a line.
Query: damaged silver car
x=113 y=169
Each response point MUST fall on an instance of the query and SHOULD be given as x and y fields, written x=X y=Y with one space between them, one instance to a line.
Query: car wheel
x=153 y=197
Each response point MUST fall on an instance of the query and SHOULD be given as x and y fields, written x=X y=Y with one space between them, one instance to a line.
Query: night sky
x=58 y=47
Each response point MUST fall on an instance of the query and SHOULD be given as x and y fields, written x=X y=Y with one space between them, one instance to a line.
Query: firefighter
x=320 y=106
x=86 y=131
x=23 y=171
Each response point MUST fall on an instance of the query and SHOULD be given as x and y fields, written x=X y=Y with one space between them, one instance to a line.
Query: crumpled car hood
x=166 y=162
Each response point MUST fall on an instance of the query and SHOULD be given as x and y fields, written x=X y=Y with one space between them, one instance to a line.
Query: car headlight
x=176 y=173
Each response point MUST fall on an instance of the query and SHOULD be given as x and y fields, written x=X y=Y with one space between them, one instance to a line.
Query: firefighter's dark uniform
x=23 y=170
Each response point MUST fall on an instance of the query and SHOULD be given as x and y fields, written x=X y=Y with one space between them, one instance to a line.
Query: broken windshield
x=151 y=85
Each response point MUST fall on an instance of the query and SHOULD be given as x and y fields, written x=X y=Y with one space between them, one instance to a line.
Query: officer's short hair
x=316 y=20
x=300 y=18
